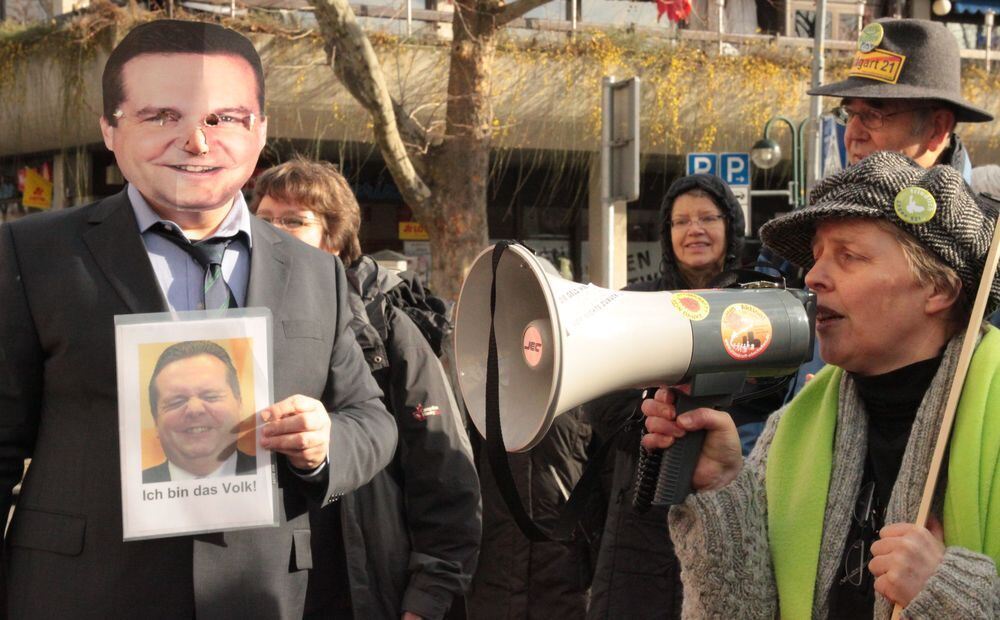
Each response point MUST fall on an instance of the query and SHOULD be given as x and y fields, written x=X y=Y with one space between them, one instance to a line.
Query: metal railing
x=574 y=24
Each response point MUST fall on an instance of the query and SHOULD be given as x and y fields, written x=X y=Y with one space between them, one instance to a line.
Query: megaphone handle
x=663 y=477
x=673 y=482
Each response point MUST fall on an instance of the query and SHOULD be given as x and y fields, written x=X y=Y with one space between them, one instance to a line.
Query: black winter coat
x=518 y=579
x=410 y=538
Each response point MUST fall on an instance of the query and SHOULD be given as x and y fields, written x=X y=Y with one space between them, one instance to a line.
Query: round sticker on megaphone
x=692 y=307
x=746 y=331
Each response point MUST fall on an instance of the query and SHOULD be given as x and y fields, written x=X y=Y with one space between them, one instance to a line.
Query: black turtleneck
x=891 y=401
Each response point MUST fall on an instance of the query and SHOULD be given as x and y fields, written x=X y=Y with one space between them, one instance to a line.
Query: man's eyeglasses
x=870 y=118
x=167 y=119
x=290 y=222
x=867 y=514
x=683 y=223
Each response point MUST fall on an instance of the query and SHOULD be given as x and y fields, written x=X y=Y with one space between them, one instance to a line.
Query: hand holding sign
x=299 y=428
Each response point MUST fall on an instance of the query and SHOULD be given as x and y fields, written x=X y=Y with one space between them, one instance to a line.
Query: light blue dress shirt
x=180 y=277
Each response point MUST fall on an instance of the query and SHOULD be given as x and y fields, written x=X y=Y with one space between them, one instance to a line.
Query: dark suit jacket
x=246 y=465
x=64 y=275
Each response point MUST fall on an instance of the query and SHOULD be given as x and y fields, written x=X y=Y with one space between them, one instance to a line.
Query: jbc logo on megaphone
x=532 y=344
x=746 y=331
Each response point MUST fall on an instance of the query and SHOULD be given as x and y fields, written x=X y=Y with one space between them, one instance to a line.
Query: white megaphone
x=561 y=344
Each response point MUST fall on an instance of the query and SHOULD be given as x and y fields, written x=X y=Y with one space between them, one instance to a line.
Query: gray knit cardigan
x=722 y=543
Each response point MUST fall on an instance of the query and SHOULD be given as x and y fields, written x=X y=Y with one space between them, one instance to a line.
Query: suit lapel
x=114 y=241
x=269 y=268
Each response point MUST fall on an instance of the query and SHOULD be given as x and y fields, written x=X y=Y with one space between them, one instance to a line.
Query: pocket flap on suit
x=48 y=531
x=302 y=329
x=302 y=548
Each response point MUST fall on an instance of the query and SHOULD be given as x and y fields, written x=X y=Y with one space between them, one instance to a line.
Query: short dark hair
x=173 y=36
x=184 y=350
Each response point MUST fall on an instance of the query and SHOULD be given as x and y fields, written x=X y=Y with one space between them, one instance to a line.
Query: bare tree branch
x=358 y=69
x=511 y=11
x=415 y=138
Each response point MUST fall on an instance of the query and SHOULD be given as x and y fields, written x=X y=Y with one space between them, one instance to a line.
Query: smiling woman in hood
x=697 y=243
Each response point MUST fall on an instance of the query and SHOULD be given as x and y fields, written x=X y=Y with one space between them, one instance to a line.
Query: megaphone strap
x=496 y=452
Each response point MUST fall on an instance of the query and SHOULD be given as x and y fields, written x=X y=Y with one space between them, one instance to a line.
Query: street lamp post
x=766 y=154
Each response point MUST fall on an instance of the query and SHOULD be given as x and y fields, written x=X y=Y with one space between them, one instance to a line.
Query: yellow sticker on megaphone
x=691 y=306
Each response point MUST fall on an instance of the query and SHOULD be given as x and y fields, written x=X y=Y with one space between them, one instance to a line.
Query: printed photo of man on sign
x=198 y=412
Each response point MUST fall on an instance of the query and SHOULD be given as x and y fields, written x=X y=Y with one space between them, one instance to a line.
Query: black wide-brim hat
x=958 y=231
x=907 y=59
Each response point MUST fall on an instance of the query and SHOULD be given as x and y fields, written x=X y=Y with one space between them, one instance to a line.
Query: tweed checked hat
x=933 y=205
x=907 y=59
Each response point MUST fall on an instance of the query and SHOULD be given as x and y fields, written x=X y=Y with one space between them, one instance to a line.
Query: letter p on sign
x=703 y=163
x=735 y=168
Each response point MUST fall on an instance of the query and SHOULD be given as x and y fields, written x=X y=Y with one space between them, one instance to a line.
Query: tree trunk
x=459 y=170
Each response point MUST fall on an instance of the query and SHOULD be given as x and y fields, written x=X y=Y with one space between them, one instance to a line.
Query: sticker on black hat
x=878 y=64
x=870 y=37
x=915 y=205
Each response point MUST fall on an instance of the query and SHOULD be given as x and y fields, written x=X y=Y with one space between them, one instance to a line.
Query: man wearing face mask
x=184 y=116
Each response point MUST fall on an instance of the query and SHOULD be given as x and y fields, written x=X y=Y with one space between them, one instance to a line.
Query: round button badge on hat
x=915 y=205
x=870 y=37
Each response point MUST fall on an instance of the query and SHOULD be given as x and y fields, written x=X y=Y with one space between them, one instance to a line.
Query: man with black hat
x=903 y=93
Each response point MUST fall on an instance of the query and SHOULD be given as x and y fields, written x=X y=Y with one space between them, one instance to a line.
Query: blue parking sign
x=735 y=168
x=702 y=163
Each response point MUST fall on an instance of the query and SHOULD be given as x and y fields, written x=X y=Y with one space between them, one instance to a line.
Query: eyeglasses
x=290 y=222
x=168 y=119
x=867 y=514
x=683 y=223
x=870 y=118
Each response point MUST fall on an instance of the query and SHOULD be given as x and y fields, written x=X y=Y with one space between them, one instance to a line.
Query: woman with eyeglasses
x=405 y=544
x=702 y=232
x=818 y=522
x=636 y=576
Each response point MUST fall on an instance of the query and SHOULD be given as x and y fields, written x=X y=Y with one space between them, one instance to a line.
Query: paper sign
x=189 y=387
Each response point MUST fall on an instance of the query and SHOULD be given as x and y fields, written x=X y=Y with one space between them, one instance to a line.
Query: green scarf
x=801 y=458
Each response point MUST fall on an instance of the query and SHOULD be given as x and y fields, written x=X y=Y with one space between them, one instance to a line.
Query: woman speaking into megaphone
x=825 y=517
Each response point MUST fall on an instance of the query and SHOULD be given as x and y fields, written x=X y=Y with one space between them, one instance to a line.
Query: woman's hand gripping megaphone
x=721 y=458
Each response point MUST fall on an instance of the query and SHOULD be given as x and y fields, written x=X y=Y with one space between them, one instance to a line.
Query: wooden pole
x=958 y=382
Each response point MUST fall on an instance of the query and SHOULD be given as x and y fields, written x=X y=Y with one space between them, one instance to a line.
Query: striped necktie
x=207 y=253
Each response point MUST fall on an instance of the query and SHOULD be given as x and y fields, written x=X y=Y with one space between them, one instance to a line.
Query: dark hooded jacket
x=518 y=579
x=409 y=539
x=637 y=574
